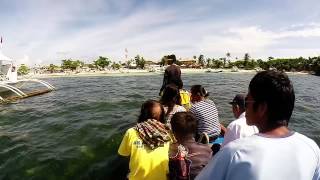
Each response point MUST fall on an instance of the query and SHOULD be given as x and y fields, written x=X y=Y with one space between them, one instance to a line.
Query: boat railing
x=13 y=89
x=20 y=94
x=49 y=86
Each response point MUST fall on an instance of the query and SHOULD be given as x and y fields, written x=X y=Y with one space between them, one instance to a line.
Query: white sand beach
x=137 y=72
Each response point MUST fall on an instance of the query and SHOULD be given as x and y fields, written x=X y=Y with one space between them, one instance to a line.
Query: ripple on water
x=74 y=132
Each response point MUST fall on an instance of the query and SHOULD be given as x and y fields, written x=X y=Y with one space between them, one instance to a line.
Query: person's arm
x=223 y=129
x=123 y=158
x=229 y=135
x=316 y=175
x=125 y=146
x=120 y=167
x=164 y=82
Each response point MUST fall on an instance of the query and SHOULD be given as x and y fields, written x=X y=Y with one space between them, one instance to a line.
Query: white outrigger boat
x=11 y=88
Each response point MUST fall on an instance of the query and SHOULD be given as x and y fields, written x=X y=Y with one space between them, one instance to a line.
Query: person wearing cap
x=238 y=128
x=205 y=112
x=172 y=74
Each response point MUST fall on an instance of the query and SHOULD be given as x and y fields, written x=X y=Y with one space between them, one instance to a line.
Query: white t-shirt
x=258 y=157
x=239 y=129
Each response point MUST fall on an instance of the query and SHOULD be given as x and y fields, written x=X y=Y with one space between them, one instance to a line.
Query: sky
x=47 y=31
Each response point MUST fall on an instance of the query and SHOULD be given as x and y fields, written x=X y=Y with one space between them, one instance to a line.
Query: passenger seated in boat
x=276 y=152
x=147 y=144
x=184 y=127
x=171 y=102
x=238 y=128
x=205 y=112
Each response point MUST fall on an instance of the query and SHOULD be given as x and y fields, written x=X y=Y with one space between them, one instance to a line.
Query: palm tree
x=224 y=62
x=270 y=58
x=246 y=59
x=208 y=62
x=228 y=55
x=128 y=63
x=201 y=60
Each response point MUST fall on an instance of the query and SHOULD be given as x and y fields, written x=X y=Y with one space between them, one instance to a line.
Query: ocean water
x=74 y=132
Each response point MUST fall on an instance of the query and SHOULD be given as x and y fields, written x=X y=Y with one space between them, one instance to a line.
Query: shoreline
x=142 y=72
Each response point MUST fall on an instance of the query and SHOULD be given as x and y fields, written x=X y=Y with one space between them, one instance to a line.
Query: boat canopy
x=3 y=57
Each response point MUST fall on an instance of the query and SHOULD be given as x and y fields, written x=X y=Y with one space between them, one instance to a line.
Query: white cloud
x=260 y=42
x=307 y=32
x=24 y=60
x=27 y=60
x=48 y=31
x=238 y=41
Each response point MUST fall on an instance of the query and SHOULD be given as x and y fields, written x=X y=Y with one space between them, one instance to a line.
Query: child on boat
x=196 y=155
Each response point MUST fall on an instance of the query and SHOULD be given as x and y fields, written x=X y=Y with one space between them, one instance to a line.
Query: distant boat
x=209 y=70
x=258 y=69
x=152 y=69
x=9 y=82
x=234 y=69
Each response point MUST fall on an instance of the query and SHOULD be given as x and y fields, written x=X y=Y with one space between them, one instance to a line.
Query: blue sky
x=46 y=31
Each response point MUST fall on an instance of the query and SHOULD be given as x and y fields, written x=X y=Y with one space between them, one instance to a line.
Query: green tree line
x=311 y=64
x=281 y=64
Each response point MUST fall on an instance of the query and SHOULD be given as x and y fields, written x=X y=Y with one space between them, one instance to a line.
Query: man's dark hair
x=179 y=83
x=183 y=123
x=148 y=111
x=199 y=90
x=173 y=58
x=170 y=97
x=239 y=100
x=275 y=89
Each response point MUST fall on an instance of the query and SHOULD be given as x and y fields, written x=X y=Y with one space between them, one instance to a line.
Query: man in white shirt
x=276 y=152
x=238 y=128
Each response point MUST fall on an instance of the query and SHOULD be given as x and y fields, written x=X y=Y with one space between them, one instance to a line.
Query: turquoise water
x=74 y=132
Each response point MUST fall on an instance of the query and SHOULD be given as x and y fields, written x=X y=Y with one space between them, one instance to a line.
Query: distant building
x=151 y=63
x=133 y=64
x=188 y=63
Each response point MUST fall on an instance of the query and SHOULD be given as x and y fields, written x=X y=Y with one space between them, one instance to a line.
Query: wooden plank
x=28 y=94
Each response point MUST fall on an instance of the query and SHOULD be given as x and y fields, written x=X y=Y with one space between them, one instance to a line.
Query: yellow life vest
x=185 y=99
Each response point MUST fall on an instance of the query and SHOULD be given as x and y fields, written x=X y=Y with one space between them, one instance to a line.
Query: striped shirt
x=206 y=113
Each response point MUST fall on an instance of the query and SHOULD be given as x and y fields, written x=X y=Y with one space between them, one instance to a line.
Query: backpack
x=179 y=165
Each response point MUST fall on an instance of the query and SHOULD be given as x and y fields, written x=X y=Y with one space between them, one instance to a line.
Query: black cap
x=238 y=100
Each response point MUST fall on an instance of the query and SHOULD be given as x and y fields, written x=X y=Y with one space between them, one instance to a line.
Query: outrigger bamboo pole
x=29 y=94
